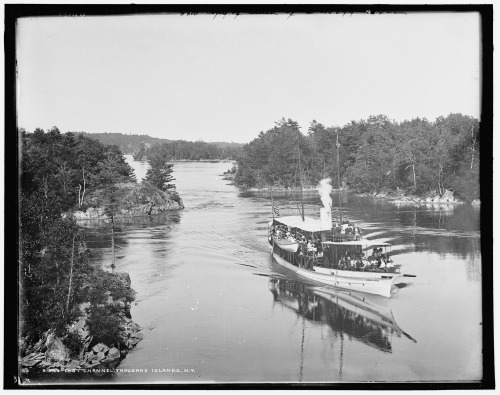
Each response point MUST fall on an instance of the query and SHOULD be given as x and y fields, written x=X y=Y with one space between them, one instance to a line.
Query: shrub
x=73 y=342
x=175 y=197
x=103 y=284
x=103 y=324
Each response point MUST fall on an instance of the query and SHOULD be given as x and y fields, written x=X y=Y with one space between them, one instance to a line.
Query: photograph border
x=13 y=12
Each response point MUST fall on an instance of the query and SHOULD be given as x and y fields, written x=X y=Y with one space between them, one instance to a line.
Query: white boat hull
x=368 y=282
x=355 y=274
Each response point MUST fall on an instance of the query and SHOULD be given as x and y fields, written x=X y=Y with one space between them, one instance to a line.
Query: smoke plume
x=324 y=189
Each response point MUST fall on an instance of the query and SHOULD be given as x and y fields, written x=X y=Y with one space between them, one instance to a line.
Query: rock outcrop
x=57 y=357
x=432 y=199
x=51 y=354
x=137 y=199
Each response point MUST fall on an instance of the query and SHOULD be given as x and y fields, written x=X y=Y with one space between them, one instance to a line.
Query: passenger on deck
x=357 y=233
x=386 y=262
x=345 y=224
x=380 y=256
x=365 y=262
x=349 y=233
x=310 y=246
x=336 y=231
x=389 y=263
x=382 y=259
x=318 y=246
x=303 y=246
x=375 y=256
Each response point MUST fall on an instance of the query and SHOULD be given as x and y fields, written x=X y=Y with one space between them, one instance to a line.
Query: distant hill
x=137 y=145
x=128 y=143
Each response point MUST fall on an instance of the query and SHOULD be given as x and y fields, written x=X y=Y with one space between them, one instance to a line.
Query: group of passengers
x=356 y=261
x=284 y=233
x=380 y=259
x=309 y=246
x=346 y=231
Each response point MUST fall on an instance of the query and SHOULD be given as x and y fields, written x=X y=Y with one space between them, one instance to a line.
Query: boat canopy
x=308 y=225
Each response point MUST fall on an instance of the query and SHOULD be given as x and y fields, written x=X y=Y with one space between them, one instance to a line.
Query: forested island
x=178 y=150
x=75 y=316
x=377 y=155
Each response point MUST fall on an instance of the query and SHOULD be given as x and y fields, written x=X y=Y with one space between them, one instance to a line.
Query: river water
x=216 y=308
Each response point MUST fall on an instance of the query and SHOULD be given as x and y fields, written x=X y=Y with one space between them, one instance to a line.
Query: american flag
x=276 y=209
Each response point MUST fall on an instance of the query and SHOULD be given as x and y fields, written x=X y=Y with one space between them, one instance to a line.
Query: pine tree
x=160 y=172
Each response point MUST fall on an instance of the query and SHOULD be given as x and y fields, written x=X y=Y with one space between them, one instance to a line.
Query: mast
x=338 y=176
x=300 y=176
x=272 y=203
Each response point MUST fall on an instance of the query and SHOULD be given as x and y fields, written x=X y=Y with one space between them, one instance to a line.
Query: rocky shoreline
x=433 y=198
x=228 y=176
x=51 y=355
x=281 y=189
x=139 y=199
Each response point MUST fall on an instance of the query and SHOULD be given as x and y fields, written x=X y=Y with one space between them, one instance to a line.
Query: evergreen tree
x=140 y=154
x=160 y=172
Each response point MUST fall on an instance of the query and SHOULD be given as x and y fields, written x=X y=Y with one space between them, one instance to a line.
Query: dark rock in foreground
x=50 y=354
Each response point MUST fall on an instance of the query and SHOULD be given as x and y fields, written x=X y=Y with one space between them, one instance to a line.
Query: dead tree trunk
x=113 y=242
x=71 y=274
x=80 y=200
x=472 y=160
x=84 y=185
x=414 y=176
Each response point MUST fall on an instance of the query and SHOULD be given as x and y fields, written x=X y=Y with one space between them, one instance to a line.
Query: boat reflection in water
x=365 y=317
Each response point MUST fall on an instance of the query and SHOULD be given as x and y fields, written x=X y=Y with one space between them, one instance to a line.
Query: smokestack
x=326 y=218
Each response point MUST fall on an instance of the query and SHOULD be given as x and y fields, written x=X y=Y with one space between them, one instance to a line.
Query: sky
x=201 y=77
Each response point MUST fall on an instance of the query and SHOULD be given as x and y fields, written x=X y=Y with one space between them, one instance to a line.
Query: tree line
x=376 y=155
x=65 y=166
x=138 y=145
